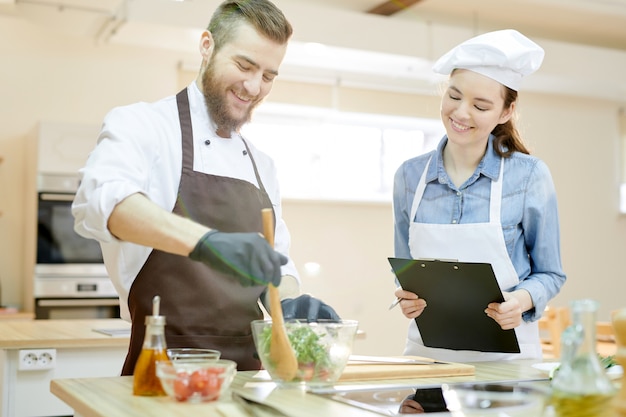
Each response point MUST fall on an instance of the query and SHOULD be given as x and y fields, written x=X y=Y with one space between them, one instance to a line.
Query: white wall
x=579 y=139
x=49 y=77
x=351 y=242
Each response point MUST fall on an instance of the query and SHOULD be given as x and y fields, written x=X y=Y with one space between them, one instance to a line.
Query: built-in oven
x=70 y=279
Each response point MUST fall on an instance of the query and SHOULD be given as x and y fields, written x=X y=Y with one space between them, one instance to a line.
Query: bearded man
x=174 y=195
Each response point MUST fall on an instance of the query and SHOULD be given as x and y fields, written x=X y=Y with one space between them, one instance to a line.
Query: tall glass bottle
x=581 y=387
x=145 y=380
x=619 y=325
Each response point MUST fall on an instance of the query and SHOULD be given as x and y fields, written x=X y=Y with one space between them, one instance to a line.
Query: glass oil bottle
x=580 y=386
x=145 y=380
x=618 y=321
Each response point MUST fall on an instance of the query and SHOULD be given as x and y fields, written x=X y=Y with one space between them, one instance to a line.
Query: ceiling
x=401 y=46
x=590 y=22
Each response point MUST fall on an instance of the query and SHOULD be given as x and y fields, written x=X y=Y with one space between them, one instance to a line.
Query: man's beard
x=214 y=94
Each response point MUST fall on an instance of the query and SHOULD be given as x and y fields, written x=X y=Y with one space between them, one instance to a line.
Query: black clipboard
x=457 y=294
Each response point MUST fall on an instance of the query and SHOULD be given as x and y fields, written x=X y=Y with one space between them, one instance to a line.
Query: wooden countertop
x=93 y=397
x=35 y=334
x=9 y=314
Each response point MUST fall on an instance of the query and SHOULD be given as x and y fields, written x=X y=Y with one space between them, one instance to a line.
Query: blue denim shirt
x=530 y=220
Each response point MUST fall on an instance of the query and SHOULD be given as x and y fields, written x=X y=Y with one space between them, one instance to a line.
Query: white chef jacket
x=139 y=150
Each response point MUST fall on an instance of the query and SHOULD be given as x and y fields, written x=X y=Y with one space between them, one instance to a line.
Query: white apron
x=472 y=242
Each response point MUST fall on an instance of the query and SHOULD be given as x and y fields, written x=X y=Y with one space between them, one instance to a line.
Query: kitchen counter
x=61 y=333
x=15 y=315
x=72 y=349
x=104 y=397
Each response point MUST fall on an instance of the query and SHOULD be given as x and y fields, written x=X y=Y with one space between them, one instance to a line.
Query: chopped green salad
x=313 y=358
x=606 y=361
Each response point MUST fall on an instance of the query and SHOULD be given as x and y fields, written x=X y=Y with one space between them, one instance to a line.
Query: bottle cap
x=155 y=319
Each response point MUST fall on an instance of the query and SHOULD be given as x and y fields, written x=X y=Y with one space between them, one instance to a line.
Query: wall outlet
x=37 y=359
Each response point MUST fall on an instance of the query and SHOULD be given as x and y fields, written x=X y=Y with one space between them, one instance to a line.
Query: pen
x=395 y=302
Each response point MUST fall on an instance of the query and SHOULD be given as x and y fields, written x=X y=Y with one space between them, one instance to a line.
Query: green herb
x=309 y=350
x=607 y=361
x=311 y=353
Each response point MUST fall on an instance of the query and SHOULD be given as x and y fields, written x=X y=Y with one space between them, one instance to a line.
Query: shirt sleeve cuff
x=536 y=291
x=100 y=206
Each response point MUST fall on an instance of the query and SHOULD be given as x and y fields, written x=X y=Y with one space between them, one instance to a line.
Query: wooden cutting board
x=368 y=371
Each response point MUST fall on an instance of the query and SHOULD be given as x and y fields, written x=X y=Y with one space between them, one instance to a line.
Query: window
x=325 y=154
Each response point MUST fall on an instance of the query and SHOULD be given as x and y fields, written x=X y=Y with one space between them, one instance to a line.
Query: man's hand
x=307 y=308
x=246 y=256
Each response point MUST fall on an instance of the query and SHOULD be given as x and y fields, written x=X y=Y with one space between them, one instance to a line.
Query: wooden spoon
x=281 y=353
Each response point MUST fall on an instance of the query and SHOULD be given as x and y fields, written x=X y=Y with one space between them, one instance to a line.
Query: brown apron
x=203 y=307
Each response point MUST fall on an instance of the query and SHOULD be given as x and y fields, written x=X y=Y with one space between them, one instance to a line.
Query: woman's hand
x=412 y=306
x=509 y=313
x=410 y=406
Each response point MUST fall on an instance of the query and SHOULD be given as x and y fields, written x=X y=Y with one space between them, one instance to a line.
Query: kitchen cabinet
x=34 y=352
x=63 y=148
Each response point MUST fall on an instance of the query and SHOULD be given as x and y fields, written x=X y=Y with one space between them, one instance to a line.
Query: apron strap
x=182 y=99
x=495 y=202
x=256 y=171
x=419 y=192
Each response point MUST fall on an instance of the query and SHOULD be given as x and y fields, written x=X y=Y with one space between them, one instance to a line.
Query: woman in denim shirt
x=480 y=196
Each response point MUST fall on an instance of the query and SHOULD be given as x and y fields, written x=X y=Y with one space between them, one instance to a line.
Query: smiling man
x=174 y=195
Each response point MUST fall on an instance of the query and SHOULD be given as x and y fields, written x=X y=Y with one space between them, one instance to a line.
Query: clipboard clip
x=437 y=260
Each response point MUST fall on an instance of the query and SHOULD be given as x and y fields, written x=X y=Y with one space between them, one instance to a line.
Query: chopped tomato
x=307 y=371
x=206 y=382
x=182 y=388
x=216 y=371
x=323 y=375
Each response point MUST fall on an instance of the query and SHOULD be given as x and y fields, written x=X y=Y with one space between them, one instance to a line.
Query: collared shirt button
x=458 y=193
x=453 y=221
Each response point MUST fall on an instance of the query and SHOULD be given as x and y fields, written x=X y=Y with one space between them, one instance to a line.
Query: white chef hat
x=504 y=55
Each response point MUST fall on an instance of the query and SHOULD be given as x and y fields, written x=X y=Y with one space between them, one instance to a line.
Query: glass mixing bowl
x=322 y=349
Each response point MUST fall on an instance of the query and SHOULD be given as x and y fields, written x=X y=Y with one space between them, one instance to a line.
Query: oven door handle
x=56 y=196
x=78 y=302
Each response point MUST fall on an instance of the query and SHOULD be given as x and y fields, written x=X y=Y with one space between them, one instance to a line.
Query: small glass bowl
x=195 y=380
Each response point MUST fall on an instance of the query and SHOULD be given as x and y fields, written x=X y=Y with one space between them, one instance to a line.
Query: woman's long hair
x=508 y=139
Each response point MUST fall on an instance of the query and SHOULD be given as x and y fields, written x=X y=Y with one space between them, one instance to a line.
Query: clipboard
x=457 y=294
